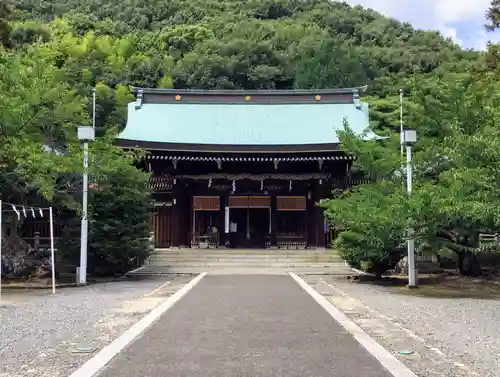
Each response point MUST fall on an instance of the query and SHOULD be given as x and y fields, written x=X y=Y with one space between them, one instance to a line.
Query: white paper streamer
x=33 y=212
x=16 y=211
x=41 y=212
x=24 y=211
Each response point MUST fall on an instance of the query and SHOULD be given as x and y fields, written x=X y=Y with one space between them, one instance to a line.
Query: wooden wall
x=162 y=226
x=40 y=226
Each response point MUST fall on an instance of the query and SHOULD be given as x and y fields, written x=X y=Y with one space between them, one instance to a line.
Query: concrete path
x=245 y=325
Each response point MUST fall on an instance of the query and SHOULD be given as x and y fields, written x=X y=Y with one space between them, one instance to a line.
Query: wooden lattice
x=238 y=201
x=206 y=203
x=291 y=203
x=259 y=202
x=249 y=201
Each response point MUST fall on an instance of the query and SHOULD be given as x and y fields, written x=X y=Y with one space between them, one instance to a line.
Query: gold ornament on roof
x=178 y=97
x=317 y=98
x=248 y=98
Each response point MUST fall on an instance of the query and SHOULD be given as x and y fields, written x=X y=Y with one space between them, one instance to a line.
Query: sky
x=461 y=20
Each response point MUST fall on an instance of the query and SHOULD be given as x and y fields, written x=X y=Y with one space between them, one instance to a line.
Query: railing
x=426 y=257
x=291 y=241
x=489 y=241
x=347 y=182
x=267 y=241
x=206 y=241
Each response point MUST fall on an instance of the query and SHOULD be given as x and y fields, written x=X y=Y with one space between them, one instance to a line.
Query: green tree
x=119 y=213
x=5 y=28
x=41 y=158
x=455 y=194
x=373 y=224
x=493 y=15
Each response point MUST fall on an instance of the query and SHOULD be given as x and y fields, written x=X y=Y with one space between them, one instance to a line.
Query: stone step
x=149 y=271
x=244 y=251
x=249 y=263
x=244 y=264
x=243 y=259
x=281 y=258
x=229 y=252
x=246 y=256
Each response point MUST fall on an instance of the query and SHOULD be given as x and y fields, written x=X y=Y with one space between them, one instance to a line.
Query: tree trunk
x=379 y=270
x=438 y=259
x=468 y=264
x=460 y=263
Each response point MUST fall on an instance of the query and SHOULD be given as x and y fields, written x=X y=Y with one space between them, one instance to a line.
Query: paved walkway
x=245 y=325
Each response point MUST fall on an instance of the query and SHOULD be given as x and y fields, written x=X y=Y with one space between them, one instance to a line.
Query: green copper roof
x=251 y=124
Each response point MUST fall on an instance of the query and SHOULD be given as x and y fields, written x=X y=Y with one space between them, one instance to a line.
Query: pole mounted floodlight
x=85 y=134
x=408 y=138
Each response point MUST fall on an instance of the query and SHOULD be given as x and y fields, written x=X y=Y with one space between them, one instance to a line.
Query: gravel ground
x=466 y=330
x=39 y=331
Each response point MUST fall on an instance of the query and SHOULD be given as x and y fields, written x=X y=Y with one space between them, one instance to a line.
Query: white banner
x=226 y=220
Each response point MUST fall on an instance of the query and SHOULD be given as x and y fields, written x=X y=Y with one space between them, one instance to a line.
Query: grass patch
x=16 y=285
x=446 y=286
x=457 y=287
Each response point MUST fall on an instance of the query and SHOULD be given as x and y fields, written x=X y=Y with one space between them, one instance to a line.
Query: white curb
x=389 y=361
x=96 y=363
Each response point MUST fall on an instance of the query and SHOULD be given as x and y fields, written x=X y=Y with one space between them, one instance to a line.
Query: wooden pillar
x=321 y=229
x=185 y=208
x=221 y=224
x=176 y=214
x=181 y=210
x=274 y=223
x=311 y=220
x=319 y=217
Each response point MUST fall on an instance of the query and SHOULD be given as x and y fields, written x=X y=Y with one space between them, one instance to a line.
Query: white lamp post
x=408 y=138
x=85 y=134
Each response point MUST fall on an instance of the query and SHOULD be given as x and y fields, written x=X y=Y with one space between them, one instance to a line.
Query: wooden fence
x=36 y=232
x=347 y=182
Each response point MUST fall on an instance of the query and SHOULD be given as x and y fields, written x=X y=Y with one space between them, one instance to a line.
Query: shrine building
x=243 y=169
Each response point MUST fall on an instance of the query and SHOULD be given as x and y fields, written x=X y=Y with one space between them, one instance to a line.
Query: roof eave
x=239 y=92
x=221 y=148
